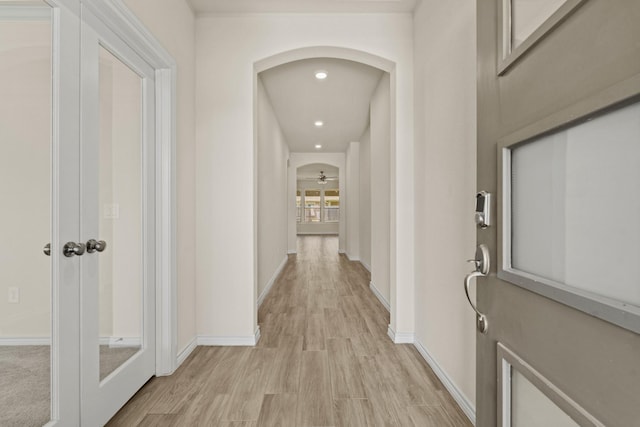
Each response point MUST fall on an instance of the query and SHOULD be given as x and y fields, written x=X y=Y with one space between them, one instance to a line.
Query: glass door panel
x=25 y=213
x=117 y=222
x=331 y=205
x=574 y=197
x=120 y=225
x=312 y=206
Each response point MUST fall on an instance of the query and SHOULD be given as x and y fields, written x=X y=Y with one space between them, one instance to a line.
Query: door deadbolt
x=483 y=209
x=481 y=261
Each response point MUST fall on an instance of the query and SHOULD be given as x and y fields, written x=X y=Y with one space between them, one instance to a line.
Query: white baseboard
x=352 y=257
x=365 y=265
x=467 y=406
x=247 y=340
x=25 y=341
x=291 y=252
x=182 y=356
x=273 y=279
x=378 y=295
x=401 y=337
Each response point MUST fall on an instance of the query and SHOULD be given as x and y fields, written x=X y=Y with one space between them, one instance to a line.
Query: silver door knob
x=96 y=245
x=47 y=249
x=72 y=248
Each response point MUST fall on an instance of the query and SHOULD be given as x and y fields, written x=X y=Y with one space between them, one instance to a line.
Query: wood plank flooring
x=324 y=359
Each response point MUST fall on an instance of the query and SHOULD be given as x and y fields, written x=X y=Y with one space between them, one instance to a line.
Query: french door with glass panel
x=77 y=220
x=559 y=148
x=117 y=221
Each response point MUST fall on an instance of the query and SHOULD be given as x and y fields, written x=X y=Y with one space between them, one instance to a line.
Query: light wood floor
x=324 y=359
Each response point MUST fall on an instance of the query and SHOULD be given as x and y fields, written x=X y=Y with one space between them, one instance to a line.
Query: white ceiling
x=341 y=101
x=308 y=6
x=312 y=171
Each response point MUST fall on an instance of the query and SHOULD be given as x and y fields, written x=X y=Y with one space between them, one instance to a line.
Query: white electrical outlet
x=14 y=295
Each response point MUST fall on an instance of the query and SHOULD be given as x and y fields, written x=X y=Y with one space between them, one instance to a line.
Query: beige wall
x=445 y=165
x=351 y=203
x=365 y=199
x=120 y=184
x=380 y=134
x=273 y=153
x=228 y=47
x=172 y=22
x=25 y=177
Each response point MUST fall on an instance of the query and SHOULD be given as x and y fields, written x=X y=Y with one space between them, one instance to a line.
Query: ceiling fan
x=322 y=178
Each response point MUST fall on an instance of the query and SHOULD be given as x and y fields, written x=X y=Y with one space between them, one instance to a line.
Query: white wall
x=172 y=22
x=228 y=48
x=365 y=199
x=445 y=165
x=301 y=159
x=353 y=201
x=380 y=135
x=272 y=156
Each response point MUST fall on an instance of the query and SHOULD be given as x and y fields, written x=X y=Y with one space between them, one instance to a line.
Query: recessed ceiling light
x=318 y=146
x=321 y=74
x=319 y=123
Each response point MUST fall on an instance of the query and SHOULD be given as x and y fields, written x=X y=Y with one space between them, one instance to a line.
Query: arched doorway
x=395 y=295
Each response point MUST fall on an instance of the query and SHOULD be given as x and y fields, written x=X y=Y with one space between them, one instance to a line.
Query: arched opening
x=378 y=175
x=318 y=200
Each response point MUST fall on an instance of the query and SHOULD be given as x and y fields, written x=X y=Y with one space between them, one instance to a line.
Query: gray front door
x=559 y=150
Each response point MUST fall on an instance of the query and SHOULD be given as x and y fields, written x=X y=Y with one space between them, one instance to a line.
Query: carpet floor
x=25 y=382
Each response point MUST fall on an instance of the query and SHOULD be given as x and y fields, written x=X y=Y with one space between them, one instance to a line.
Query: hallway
x=324 y=359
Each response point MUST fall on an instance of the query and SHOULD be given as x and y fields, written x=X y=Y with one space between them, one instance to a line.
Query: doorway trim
x=400 y=287
x=118 y=18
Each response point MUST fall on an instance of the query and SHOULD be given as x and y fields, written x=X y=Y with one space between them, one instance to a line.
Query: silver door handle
x=47 y=249
x=96 y=245
x=481 y=319
x=72 y=249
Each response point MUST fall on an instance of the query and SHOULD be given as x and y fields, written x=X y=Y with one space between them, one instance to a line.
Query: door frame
x=119 y=19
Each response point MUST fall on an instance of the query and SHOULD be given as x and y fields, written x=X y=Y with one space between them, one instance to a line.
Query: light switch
x=111 y=211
